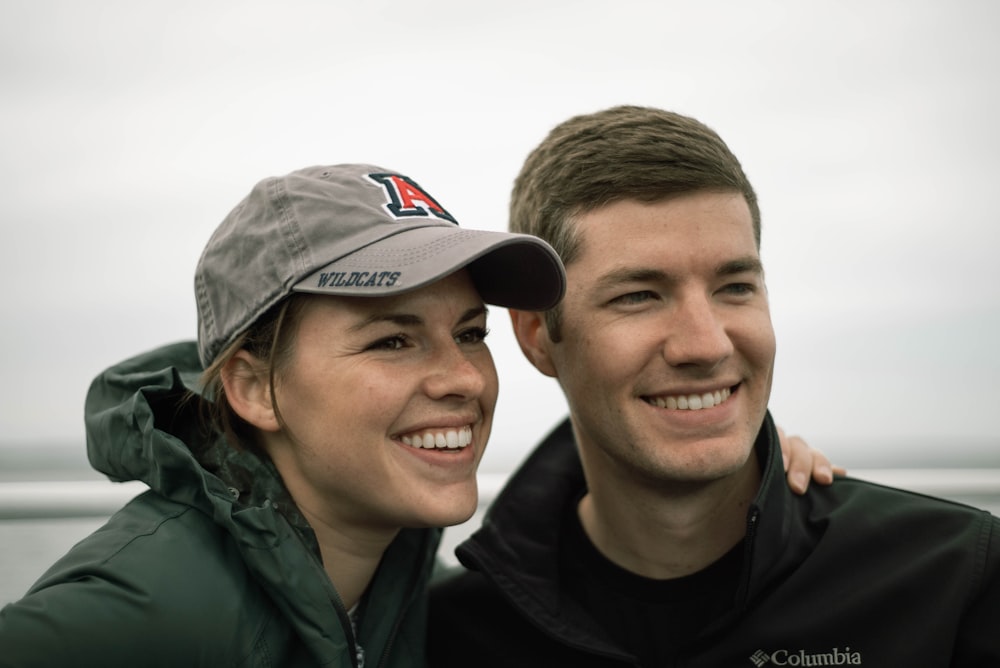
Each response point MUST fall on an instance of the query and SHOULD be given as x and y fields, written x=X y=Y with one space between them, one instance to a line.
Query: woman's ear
x=247 y=383
x=533 y=337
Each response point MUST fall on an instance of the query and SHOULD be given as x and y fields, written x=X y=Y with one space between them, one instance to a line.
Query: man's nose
x=696 y=333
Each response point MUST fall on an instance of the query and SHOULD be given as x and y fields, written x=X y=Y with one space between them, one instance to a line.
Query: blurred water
x=30 y=543
x=29 y=547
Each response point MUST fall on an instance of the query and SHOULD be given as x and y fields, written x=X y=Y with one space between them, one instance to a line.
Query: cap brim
x=512 y=270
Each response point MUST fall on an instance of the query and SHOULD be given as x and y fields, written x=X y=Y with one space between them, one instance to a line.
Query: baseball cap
x=354 y=230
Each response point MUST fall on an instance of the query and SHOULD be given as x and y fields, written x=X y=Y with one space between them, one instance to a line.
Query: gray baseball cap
x=355 y=230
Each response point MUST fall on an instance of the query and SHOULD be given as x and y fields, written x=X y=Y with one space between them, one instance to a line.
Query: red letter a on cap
x=406 y=198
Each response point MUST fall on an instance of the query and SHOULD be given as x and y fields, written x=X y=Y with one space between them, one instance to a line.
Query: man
x=653 y=528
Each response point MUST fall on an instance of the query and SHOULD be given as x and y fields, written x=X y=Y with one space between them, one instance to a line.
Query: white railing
x=96 y=498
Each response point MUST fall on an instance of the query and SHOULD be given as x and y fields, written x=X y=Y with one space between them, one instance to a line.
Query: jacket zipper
x=751 y=535
x=357 y=657
x=416 y=578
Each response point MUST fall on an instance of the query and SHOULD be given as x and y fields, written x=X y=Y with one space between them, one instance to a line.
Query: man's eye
x=634 y=297
x=739 y=289
x=472 y=335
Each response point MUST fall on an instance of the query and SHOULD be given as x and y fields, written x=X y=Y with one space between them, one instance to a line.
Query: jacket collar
x=515 y=545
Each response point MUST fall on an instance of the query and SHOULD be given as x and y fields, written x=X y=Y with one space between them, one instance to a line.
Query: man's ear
x=533 y=337
x=248 y=389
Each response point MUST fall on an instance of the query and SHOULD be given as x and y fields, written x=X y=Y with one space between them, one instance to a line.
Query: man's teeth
x=449 y=438
x=691 y=402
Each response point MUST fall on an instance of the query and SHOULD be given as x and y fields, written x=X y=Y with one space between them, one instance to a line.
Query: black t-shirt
x=647 y=617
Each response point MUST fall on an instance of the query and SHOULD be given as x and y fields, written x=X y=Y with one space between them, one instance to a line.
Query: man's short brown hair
x=625 y=152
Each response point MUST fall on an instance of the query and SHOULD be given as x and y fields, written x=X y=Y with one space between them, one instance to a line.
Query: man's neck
x=661 y=532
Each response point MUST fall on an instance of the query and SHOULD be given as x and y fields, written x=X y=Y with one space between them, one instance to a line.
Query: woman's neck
x=351 y=555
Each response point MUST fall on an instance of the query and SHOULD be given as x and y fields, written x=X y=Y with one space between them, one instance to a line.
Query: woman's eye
x=472 y=335
x=395 y=342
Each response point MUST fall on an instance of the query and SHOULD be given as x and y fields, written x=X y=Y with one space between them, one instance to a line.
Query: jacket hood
x=143 y=423
x=134 y=411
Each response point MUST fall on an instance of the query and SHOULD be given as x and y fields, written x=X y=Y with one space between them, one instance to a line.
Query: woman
x=334 y=409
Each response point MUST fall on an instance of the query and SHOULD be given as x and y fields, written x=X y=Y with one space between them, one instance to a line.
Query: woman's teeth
x=447 y=439
x=691 y=402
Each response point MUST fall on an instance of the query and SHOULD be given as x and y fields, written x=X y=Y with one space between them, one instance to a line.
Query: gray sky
x=869 y=129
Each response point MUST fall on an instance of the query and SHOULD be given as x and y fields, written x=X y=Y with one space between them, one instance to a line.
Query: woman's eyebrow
x=474 y=313
x=400 y=319
x=410 y=319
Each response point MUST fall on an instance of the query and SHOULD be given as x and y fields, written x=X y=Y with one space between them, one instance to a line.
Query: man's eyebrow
x=632 y=275
x=409 y=319
x=749 y=264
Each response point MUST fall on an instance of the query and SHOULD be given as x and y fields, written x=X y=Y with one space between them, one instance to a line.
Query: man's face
x=668 y=350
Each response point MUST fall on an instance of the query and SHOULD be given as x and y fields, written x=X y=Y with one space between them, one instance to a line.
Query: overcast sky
x=869 y=128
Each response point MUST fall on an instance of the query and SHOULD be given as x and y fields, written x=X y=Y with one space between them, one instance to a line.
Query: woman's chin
x=450 y=509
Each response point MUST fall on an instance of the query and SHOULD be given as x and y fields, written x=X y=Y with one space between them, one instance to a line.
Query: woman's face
x=387 y=404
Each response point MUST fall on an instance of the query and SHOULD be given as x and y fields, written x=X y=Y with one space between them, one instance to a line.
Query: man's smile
x=691 y=402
